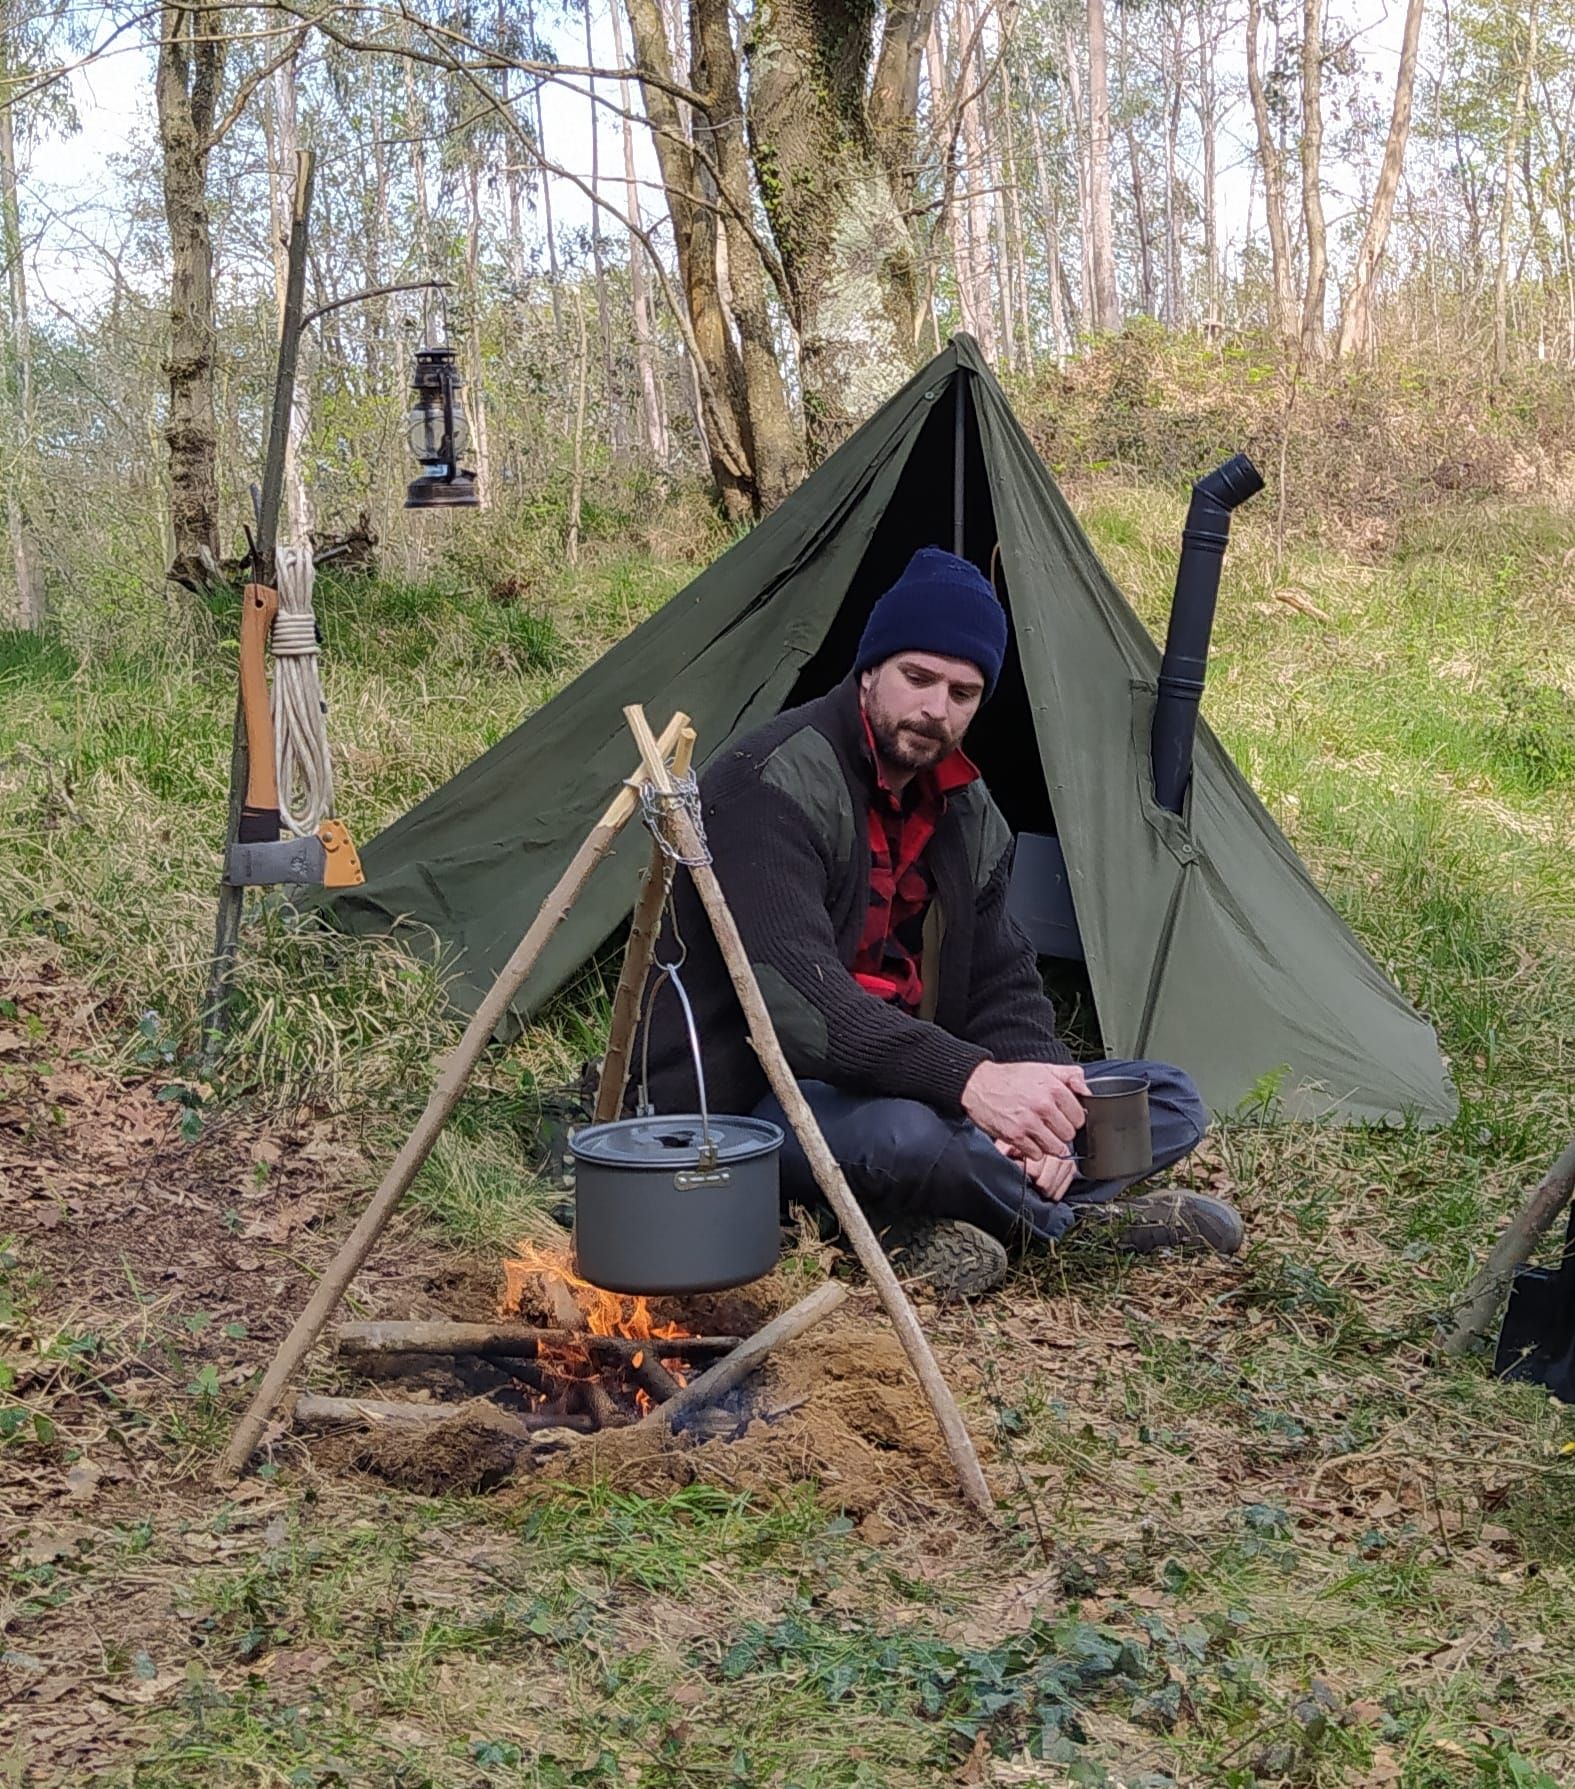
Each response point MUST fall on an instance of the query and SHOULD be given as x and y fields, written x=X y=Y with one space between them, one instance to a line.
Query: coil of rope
x=300 y=725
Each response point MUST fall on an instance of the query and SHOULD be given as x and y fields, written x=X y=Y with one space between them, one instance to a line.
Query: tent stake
x=451 y=1080
x=762 y=1034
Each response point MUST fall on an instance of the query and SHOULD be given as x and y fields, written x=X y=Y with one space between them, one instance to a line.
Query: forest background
x=1255 y=1534
x=701 y=244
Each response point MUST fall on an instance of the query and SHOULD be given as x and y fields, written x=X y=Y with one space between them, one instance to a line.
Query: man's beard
x=909 y=745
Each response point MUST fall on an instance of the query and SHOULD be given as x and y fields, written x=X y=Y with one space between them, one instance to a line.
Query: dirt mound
x=840 y=1408
x=475 y=1450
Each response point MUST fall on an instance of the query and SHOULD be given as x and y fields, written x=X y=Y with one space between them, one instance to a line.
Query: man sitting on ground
x=867 y=869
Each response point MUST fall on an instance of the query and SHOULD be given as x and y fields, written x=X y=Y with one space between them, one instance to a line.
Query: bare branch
x=249 y=86
x=338 y=304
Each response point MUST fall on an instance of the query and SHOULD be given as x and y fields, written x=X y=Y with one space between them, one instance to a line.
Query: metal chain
x=658 y=805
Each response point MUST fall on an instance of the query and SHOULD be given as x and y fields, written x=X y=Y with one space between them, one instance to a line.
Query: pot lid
x=674 y=1140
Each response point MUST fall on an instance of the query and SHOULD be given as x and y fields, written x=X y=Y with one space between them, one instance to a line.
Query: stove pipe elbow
x=1185 y=664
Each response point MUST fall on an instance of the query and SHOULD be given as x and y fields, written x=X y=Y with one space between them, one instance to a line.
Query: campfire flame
x=605 y=1313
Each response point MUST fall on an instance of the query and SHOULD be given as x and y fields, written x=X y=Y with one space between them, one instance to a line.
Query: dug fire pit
x=539 y=1386
x=544 y=1378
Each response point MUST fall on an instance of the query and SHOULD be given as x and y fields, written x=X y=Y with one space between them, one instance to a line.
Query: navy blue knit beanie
x=940 y=604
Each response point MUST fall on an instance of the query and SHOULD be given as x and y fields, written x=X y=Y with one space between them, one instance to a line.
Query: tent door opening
x=923 y=512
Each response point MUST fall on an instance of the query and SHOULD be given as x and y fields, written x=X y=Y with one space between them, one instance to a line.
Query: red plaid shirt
x=901 y=827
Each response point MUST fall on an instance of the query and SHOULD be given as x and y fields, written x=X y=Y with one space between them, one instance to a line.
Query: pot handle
x=669 y=973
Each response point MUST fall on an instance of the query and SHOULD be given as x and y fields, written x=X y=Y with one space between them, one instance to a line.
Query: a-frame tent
x=1206 y=942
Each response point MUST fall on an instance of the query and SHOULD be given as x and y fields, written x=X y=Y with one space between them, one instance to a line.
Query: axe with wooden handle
x=259 y=857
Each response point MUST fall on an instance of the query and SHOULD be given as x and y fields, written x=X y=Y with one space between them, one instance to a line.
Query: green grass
x=1256 y=1537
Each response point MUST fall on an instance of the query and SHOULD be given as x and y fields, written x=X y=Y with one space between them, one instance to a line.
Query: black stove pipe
x=1185 y=664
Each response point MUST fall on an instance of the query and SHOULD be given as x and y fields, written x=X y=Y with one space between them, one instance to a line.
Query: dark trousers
x=902 y=1157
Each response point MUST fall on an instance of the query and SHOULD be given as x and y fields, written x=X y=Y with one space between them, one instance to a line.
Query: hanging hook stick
x=643 y=929
x=444 y=1097
x=762 y=1034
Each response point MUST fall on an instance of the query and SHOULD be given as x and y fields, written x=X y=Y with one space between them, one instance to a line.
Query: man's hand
x=1033 y=1107
x=1051 y=1175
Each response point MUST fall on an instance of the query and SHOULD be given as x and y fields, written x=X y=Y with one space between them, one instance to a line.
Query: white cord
x=300 y=727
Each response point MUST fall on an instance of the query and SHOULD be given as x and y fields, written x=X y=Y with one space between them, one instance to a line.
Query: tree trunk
x=1175 y=76
x=1507 y=203
x=946 y=228
x=1101 y=248
x=610 y=393
x=894 y=92
x=1270 y=161
x=581 y=380
x=548 y=228
x=21 y=428
x=995 y=162
x=653 y=417
x=976 y=211
x=1050 y=227
x=1085 y=182
x=1017 y=251
x=778 y=450
x=1208 y=125
x=1313 y=294
x=514 y=170
x=295 y=522
x=1140 y=218
x=476 y=362
x=846 y=248
x=186 y=89
x=1356 y=313
x=719 y=379
x=1140 y=208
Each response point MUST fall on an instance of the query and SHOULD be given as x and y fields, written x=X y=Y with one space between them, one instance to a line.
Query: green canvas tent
x=1206 y=942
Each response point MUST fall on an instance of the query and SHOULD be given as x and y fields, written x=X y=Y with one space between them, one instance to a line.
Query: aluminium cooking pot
x=685 y=1204
x=676 y=1204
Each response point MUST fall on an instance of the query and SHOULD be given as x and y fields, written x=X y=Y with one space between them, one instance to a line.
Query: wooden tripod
x=684 y=837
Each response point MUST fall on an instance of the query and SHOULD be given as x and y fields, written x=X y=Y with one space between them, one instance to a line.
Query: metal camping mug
x=1117 y=1141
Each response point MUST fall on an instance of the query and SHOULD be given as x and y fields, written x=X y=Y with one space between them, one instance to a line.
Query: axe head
x=276 y=860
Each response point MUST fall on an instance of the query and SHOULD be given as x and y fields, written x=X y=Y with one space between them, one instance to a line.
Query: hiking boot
x=948 y=1257
x=1173 y=1218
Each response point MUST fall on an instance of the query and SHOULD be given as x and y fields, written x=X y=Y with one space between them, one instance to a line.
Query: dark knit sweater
x=786 y=813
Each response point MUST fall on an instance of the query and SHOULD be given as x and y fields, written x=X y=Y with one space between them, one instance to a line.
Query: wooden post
x=227 y=924
x=1475 y=1313
x=643 y=928
x=445 y=1094
x=762 y=1034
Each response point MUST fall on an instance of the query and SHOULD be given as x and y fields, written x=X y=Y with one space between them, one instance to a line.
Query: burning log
x=718 y=1380
x=602 y=1407
x=313 y=1412
x=503 y=1341
x=649 y=1373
